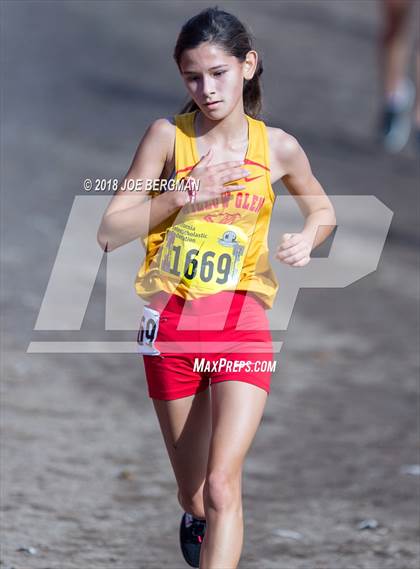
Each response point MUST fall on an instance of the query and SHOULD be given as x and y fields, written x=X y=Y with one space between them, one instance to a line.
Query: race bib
x=204 y=256
x=147 y=334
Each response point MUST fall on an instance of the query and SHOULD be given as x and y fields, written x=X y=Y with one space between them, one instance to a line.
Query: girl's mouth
x=213 y=104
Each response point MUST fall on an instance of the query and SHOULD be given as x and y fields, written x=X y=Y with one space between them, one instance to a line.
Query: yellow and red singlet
x=220 y=244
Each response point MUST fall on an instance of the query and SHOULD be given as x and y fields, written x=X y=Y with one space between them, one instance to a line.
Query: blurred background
x=332 y=477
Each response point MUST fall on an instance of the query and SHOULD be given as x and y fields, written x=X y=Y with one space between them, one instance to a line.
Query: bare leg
x=394 y=44
x=186 y=427
x=237 y=409
x=398 y=89
x=417 y=108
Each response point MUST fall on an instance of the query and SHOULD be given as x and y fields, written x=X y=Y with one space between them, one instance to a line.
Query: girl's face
x=215 y=79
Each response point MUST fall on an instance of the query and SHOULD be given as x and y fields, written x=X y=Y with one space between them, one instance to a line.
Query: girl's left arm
x=295 y=248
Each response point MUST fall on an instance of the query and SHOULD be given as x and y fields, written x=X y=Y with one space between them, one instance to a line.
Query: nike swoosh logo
x=254 y=178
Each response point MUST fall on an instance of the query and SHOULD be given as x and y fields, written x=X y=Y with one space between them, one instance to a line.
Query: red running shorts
x=227 y=332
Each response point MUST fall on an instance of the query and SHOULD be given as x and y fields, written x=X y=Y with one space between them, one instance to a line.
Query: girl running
x=206 y=275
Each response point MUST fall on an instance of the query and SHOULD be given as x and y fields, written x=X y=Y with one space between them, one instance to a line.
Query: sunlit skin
x=208 y=437
x=210 y=74
x=294 y=250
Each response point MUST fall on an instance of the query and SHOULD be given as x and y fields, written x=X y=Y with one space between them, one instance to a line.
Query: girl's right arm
x=129 y=214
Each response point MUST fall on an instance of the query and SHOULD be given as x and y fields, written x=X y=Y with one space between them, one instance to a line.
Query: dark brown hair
x=226 y=31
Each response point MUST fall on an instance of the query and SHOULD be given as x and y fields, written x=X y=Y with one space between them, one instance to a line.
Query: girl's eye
x=195 y=78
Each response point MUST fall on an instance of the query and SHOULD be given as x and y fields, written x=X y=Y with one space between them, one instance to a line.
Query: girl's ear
x=250 y=64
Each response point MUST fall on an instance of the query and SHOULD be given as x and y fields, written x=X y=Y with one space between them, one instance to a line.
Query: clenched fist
x=294 y=250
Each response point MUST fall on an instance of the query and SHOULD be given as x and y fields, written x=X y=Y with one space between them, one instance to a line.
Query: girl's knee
x=222 y=491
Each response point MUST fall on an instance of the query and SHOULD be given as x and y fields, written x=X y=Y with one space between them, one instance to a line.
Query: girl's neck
x=233 y=129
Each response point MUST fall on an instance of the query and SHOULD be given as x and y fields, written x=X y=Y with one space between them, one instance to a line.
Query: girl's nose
x=208 y=87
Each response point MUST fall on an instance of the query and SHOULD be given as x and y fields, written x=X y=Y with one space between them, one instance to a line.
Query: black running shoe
x=191 y=535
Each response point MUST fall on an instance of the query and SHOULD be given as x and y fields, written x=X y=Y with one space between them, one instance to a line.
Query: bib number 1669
x=204 y=266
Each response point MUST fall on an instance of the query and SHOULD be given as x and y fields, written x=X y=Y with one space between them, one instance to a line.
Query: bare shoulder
x=153 y=150
x=284 y=148
x=156 y=145
x=163 y=129
x=290 y=163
